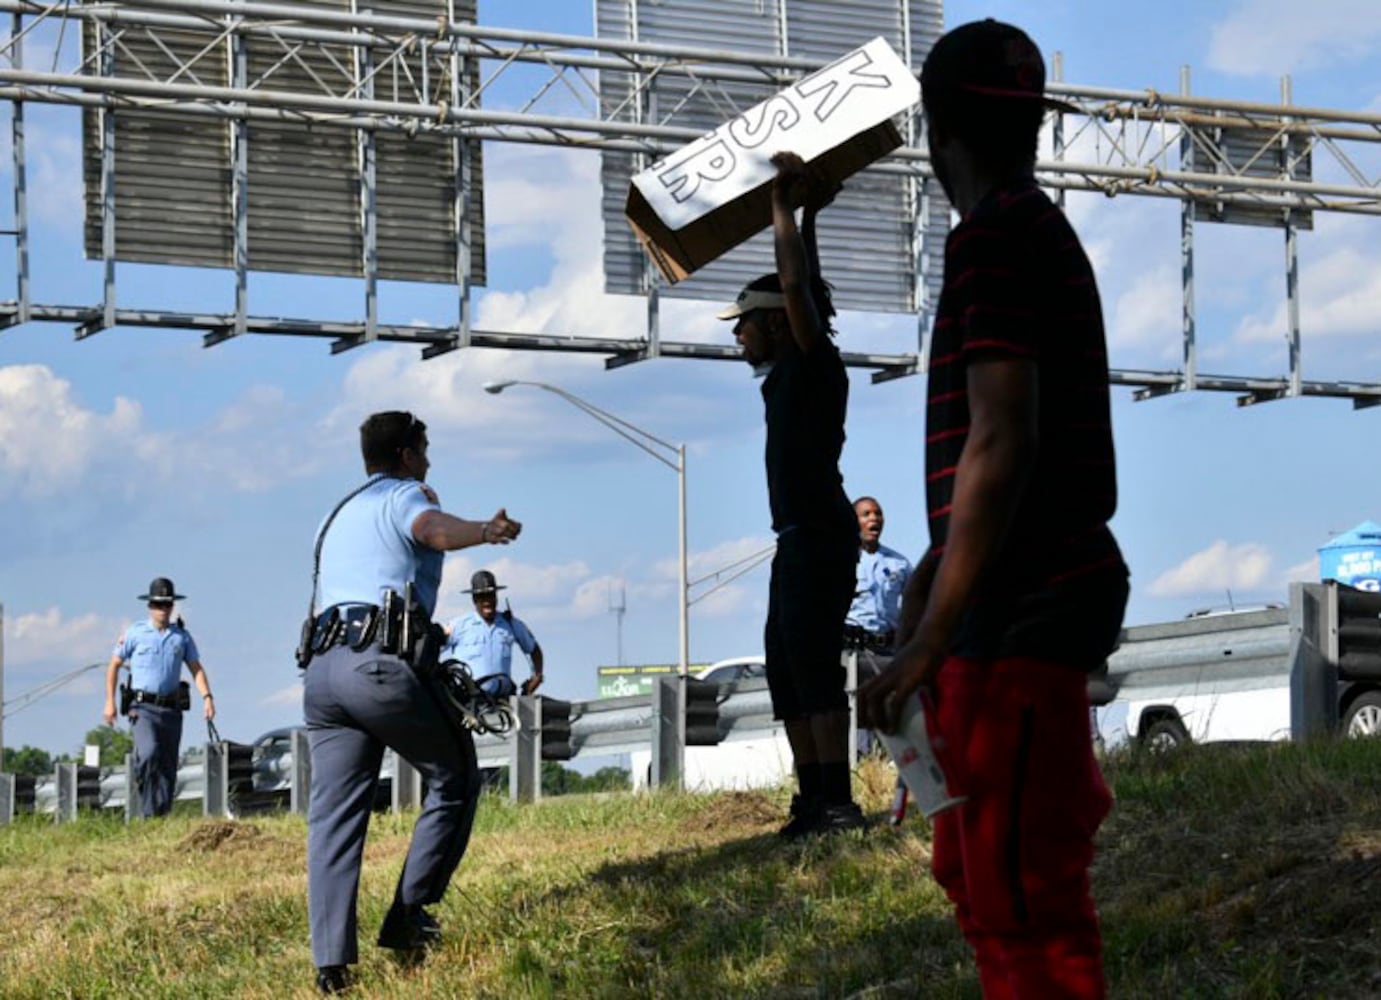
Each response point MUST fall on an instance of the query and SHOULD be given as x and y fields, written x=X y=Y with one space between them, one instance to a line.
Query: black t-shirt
x=1018 y=284
x=806 y=397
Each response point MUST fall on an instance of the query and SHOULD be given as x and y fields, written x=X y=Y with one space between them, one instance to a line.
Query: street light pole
x=661 y=451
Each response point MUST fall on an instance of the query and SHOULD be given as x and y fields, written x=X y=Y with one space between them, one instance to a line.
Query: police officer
x=871 y=625
x=483 y=640
x=870 y=629
x=155 y=651
x=366 y=688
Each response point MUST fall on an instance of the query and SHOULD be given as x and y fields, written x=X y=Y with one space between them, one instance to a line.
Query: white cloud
x=1307 y=571
x=714 y=598
x=1340 y=295
x=1147 y=314
x=52 y=444
x=1279 y=36
x=48 y=635
x=290 y=695
x=48 y=439
x=1215 y=569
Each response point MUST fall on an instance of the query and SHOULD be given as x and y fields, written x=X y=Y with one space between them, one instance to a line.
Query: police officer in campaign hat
x=484 y=639
x=870 y=628
x=155 y=698
x=370 y=657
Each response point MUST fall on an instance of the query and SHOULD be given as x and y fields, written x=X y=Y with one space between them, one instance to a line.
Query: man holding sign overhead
x=782 y=326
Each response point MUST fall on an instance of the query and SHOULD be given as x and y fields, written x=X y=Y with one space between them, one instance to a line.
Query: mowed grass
x=1223 y=872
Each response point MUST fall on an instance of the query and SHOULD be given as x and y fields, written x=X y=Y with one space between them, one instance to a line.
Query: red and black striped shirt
x=1018 y=284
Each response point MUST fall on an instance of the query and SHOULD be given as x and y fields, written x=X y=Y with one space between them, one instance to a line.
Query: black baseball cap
x=982 y=61
x=161 y=591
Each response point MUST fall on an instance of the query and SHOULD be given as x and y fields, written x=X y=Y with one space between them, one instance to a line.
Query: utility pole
x=618 y=610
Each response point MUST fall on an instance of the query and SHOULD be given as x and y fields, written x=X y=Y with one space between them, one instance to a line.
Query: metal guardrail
x=1238 y=651
x=601 y=727
x=1298 y=646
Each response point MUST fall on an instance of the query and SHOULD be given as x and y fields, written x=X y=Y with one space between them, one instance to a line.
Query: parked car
x=735 y=669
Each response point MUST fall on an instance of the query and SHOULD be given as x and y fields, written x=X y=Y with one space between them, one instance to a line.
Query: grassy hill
x=1222 y=872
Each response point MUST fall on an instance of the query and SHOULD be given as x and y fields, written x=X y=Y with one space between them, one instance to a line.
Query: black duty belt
x=152 y=698
x=856 y=637
x=360 y=626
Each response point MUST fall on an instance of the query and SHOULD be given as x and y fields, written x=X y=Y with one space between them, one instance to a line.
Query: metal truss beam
x=437 y=340
x=1220 y=159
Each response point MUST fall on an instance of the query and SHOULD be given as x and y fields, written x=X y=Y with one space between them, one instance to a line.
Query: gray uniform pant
x=355 y=705
x=157 y=736
x=870 y=664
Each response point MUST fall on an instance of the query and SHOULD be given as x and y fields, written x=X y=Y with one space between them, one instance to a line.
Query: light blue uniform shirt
x=369 y=547
x=155 y=658
x=877 y=596
x=487 y=649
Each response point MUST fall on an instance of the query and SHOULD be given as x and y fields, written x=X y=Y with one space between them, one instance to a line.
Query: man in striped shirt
x=1023 y=588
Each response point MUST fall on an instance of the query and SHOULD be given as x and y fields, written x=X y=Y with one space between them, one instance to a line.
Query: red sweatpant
x=1014 y=858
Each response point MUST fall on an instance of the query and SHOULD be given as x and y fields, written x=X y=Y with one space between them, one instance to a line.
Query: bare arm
x=794 y=257
x=112 y=673
x=446 y=533
x=993 y=467
x=988 y=483
x=535 y=681
x=203 y=684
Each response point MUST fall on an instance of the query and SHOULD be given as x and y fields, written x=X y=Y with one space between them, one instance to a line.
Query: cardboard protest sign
x=714 y=193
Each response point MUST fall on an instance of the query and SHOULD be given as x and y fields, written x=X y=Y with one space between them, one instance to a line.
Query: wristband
x=484 y=532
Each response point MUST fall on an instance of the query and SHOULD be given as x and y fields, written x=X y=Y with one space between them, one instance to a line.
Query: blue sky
x=138 y=453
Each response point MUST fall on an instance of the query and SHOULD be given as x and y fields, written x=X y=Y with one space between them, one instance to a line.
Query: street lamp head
x=497 y=387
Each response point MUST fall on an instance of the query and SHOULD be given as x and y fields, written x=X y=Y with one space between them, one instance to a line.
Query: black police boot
x=408 y=928
x=333 y=979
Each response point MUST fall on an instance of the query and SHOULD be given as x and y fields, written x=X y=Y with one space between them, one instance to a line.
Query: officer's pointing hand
x=502 y=529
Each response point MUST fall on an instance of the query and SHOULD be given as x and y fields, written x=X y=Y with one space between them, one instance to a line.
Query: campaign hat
x=483 y=582
x=161 y=591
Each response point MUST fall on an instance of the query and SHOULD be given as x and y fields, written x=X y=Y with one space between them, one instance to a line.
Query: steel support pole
x=1313 y=661
x=131 y=790
x=407 y=785
x=65 y=780
x=1057 y=132
x=369 y=202
x=21 y=191
x=1291 y=260
x=215 y=796
x=460 y=96
x=239 y=165
x=1187 y=217
x=525 y=780
x=106 y=60
x=668 y=732
x=7 y=794
x=301 y=792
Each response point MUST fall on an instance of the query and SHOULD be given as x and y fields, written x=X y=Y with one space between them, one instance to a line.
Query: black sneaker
x=840 y=817
x=408 y=928
x=333 y=979
x=804 y=815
